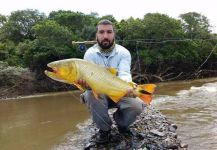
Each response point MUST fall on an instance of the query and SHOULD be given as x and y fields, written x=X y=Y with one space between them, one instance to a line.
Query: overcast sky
x=120 y=9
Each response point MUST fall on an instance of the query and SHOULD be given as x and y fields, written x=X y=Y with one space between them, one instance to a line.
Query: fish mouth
x=51 y=69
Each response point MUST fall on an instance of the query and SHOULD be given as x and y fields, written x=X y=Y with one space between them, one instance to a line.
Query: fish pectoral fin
x=117 y=97
x=112 y=70
x=95 y=94
x=79 y=86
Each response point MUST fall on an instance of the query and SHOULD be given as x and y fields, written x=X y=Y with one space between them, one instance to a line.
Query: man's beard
x=107 y=45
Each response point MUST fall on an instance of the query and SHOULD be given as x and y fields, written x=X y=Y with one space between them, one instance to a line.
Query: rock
x=184 y=145
x=169 y=143
x=155 y=132
x=174 y=135
x=173 y=128
x=151 y=130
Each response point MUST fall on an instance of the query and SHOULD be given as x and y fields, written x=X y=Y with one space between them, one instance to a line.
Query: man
x=109 y=54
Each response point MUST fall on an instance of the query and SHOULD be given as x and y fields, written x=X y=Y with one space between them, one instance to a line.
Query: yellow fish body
x=100 y=79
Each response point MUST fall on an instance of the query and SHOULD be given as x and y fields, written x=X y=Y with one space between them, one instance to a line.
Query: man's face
x=105 y=36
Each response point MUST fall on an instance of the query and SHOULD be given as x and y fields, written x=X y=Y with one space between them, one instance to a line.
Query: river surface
x=57 y=121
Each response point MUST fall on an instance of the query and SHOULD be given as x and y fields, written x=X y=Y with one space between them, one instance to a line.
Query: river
x=57 y=120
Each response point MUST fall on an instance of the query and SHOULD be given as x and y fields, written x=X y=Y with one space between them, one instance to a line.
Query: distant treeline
x=163 y=48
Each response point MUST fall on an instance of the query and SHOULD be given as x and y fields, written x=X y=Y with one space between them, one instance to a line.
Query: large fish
x=101 y=80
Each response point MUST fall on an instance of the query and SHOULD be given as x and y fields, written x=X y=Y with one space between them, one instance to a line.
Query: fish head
x=63 y=71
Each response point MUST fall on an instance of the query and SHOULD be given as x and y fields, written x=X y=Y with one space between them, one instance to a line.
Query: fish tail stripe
x=145 y=92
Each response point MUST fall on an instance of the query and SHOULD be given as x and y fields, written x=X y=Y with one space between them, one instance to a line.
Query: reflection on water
x=40 y=122
x=58 y=120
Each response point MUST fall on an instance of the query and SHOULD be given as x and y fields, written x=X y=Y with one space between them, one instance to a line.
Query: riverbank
x=17 y=82
x=25 y=84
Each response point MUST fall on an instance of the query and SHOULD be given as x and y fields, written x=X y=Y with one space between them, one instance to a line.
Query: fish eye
x=49 y=69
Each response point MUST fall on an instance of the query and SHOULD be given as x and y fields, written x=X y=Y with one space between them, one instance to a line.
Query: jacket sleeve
x=125 y=66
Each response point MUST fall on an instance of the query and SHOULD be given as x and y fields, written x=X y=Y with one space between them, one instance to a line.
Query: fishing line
x=207 y=58
x=198 y=69
x=138 y=59
x=101 y=117
x=103 y=105
x=110 y=126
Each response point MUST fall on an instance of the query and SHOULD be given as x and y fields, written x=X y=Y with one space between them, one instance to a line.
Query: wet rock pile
x=150 y=131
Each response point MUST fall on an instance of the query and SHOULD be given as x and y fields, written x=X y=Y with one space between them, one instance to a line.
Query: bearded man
x=109 y=54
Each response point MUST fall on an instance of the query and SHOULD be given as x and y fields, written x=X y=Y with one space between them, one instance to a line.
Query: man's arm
x=124 y=67
x=124 y=71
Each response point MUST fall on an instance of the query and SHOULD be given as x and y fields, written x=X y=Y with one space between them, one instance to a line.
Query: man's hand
x=83 y=83
x=130 y=93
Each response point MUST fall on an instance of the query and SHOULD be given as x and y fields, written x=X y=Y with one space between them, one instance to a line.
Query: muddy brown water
x=39 y=122
x=46 y=121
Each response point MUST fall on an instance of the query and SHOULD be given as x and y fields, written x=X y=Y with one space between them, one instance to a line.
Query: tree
x=158 y=29
x=78 y=23
x=52 y=42
x=160 y=26
x=197 y=28
x=133 y=26
x=157 y=48
x=108 y=17
x=3 y=20
x=19 y=24
x=195 y=25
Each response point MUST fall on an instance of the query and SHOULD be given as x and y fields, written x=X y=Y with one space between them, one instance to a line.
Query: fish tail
x=145 y=92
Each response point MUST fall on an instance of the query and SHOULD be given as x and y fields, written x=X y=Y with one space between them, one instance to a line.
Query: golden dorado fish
x=101 y=80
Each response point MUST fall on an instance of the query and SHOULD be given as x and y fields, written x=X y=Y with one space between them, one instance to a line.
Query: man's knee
x=133 y=103
x=86 y=97
x=138 y=105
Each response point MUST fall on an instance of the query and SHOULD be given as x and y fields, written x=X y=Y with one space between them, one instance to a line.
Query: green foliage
x=49 y=33
x=19 y=24
x=3 y=20
x=159 y=26
x=132 y=26
x=30 y=39
x=81 y=25
x=52 y=42
x=195 y=25
x=3 y=52
x=108 y=17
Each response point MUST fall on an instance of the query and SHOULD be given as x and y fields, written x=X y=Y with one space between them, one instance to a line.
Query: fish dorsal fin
x=133 y=84
x=79 y=86
x=112 y=70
